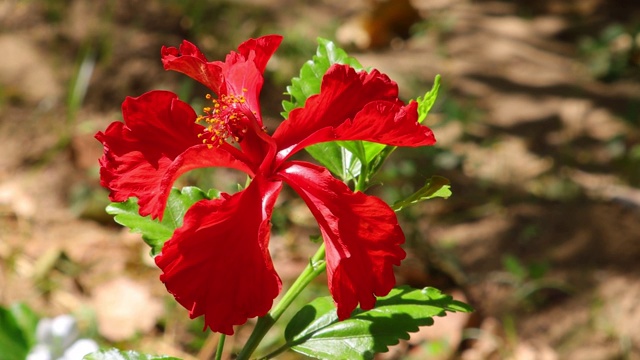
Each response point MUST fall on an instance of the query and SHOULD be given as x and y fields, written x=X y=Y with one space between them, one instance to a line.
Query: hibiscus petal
x=244 y=79
x=262 y=49
x=361 y=234
x=157 y=143
x=343 y=93
x=218 y=264
x=381 y=122
x=386 y=123
x=190 y=61
x=243 y=72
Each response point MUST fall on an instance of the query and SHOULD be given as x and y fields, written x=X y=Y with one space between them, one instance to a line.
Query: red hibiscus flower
x=218 y=263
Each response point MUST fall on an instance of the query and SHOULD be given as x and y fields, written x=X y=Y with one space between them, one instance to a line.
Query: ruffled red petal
x=224 y=77
x=157 y=143
x=190 y=61
x=244 y=79
x=361 y=234
x=218 y=264
x=243 y=71
x=387 y=123
x=260 y=50
x=343 y=93
x=239 y=75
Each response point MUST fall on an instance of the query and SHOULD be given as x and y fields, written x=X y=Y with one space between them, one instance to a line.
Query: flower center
x=225 y=120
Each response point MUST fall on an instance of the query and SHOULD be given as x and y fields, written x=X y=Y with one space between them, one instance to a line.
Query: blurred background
x=537 y=125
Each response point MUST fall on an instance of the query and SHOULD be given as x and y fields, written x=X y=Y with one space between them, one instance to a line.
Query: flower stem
x=220 y=347
x=363 y=179
x=315 y=267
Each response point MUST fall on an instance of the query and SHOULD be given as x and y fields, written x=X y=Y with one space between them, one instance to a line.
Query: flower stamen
x=225 y=120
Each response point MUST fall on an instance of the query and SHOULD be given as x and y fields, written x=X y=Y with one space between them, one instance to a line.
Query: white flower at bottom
x=57 y=339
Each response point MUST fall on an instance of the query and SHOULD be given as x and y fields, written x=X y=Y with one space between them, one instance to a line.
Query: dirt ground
x=537 y=126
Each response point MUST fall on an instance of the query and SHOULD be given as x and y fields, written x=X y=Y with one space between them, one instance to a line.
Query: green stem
x=315 y=267
x=363 y=180
x=220 y=347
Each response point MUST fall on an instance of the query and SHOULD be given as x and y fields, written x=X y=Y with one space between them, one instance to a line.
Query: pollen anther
x=227 y=119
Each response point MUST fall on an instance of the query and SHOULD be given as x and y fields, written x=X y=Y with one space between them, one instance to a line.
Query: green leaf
x=426 y=102
x=338 y=159
x=155 y=232
x=515 y=267
x=316 y=332
x=312 y=72
x=436 y=186
x=115 y=354
x=14 y=343
x=26 y=320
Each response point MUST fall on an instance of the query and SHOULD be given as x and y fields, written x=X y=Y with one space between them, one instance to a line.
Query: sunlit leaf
x=436 y=186
x=316 y=332
x=155 y=232
x=426 y=102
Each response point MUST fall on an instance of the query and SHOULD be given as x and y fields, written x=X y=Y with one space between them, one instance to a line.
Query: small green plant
x=613 y=53
x=530 y=281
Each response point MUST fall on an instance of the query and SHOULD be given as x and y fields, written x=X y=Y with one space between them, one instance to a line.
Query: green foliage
x=520 y=272
x=515 y=267
x=337 y=158
x=115 y=354
x=17 y=331
x=612 y=54
x=426 y=102
x=531 y=286
x=316 y=332
x=436 y=186
x=155 y=232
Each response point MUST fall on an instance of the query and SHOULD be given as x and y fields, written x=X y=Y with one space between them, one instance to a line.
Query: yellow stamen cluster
x=223 y=120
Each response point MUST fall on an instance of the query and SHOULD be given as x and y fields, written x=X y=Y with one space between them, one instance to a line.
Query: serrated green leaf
x=436 y=186
x=155 y=232
x=178 y=204
x=311 y=73
x=426 y=102
x=115 y=354
x=14 y=343
x=316 y=332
